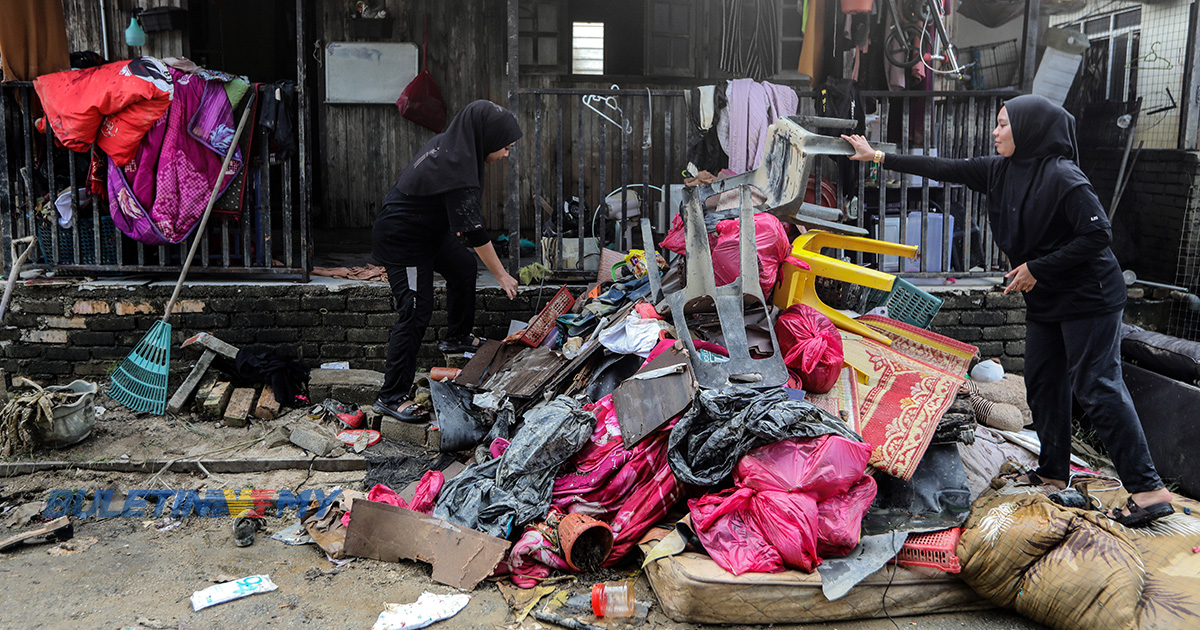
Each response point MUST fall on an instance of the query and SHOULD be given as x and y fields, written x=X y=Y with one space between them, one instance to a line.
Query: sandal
x=404 y=410
x=1139 y=516
x=470 y=343
x=1031 y=479
x=244 y=529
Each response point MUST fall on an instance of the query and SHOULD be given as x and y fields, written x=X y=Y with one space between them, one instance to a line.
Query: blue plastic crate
x=87 y=242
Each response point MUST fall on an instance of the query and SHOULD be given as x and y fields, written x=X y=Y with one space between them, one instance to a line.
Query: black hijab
x=1032 y=183
x=454 y=158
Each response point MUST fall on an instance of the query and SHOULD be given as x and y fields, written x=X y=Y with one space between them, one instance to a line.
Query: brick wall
x=989 y=320
x=57 y=332
x=53 y=332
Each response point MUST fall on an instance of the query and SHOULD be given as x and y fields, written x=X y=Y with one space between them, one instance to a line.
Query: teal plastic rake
x=140 y=382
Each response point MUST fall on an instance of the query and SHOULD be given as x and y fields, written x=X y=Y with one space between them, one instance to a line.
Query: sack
x=421 y=101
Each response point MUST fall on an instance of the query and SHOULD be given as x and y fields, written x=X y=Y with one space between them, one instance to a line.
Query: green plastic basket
x=906 y=303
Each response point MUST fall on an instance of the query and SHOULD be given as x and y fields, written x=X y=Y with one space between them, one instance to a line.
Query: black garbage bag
x=512 y=490
x=461 y=424
x=722 y=426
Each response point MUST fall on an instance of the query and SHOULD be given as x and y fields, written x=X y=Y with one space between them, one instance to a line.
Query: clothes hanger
x=1152 y=57
x=611 y=103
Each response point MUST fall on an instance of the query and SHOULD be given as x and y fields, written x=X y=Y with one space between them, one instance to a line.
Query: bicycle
x=908 y=42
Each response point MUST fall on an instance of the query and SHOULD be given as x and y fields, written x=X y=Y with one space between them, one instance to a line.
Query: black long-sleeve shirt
x=1077 y=274
x=409 y=227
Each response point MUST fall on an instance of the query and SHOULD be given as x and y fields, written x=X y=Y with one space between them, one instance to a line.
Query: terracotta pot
x=586 y=542
x=443 y=373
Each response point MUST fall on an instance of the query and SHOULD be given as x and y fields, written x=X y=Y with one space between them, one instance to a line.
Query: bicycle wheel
x=901 y=47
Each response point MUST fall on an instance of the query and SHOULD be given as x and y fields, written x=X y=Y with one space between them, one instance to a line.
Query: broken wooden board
x=659 y=391
x=527 y=374
x=345 y=463
x=491 y=356
x=58 y=529
x=185 y=391
x=209 y=342
x=461 y=557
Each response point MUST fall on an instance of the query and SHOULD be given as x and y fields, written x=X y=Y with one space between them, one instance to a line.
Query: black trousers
x=412 y=295
x=1082 y=357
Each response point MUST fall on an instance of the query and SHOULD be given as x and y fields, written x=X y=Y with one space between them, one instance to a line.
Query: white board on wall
x=368 y=72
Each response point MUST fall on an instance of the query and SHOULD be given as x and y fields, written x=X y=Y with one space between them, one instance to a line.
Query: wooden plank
x=340 y=464
x=238 y=409
x=210 y=342
x=185 y=391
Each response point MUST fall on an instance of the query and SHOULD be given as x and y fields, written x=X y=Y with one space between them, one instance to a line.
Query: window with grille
x=1112 y=59
x=540 y=42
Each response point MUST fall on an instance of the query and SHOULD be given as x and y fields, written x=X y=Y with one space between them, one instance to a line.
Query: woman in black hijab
x=435 y=203
x=1048 y=221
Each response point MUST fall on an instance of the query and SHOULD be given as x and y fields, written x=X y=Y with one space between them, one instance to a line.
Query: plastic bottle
x=612 y=599
x=134 y=35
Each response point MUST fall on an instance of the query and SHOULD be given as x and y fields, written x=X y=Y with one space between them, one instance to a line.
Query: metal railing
x=268 y=231
x=578 y=158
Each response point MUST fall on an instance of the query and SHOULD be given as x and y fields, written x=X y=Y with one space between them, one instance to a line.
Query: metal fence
x=267 y=231
x=567 y=187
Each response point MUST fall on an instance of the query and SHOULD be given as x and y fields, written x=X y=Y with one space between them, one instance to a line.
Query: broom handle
x=212 y=199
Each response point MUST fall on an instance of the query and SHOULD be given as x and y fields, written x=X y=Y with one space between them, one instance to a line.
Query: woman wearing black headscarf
x=435 y=203
x=1047 y=219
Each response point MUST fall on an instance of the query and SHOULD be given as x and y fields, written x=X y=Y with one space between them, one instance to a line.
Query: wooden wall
x=359 y=149
x=364 y=147
x=84 y=23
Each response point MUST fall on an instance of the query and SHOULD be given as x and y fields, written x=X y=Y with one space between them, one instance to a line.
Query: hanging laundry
x=113 y=105
x=753 y=107
x=159 y=197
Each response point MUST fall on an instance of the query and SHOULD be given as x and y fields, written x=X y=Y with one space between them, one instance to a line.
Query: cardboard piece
x=645 y=404
x=461 y=557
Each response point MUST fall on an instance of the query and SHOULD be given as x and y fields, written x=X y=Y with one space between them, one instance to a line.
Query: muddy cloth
x=395 y=464
x=288 y=377
x=1076 y=569
x=514 y=489
x=937 y=497
x=722 y=426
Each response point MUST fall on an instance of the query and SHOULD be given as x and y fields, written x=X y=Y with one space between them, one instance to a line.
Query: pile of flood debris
x=711 y=423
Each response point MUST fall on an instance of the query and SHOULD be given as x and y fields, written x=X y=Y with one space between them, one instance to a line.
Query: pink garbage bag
x=812 y=347
x=770 y=240
x=794 y=502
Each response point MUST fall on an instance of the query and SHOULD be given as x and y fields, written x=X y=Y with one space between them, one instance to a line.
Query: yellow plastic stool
x=799 y=285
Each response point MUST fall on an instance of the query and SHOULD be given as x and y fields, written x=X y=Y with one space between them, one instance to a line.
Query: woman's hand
x=1022 y=280
x=509 y=284
x=862 y=149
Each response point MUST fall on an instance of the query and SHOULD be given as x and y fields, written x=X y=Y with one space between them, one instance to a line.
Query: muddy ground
x=125 y=573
